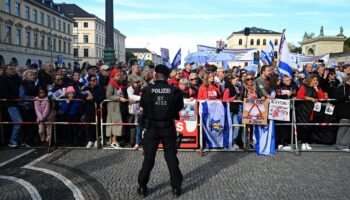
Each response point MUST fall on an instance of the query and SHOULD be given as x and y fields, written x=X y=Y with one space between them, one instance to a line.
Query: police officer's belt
x=160 y=124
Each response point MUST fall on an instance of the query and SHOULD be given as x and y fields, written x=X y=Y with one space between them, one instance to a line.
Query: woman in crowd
x=193 y=78
x=332 y=85
x=134 y=92
x=231 y=93
x=174 y=77
x=70 y=113
x=209 y=90
x=342 y=95
x=44 y=114
x=28 y=90
x=75 y=82
x=187 y=92
x=309 y=92
x=286 y=90
x=115 y=92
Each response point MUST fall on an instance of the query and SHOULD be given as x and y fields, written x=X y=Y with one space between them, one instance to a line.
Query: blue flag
x=265 y=139
x=217 y=124
x=177 y=59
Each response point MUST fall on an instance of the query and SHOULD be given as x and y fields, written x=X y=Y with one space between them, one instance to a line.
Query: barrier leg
x=200 y=153
x=2 y=134
x=297 y=152
x=96 y=127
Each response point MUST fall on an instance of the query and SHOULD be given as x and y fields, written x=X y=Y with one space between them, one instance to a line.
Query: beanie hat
x=113 y=73
x=70 y=89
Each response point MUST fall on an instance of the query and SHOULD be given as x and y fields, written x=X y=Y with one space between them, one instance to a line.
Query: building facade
x=34 y=31
x=145 y=54
x=258 y=38
x=89 y=37
x=322 y=44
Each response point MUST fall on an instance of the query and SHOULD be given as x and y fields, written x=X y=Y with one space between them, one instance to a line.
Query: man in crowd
x=9 y=89
x=91 y=70
x=45 y=76
x=308 y=70
x=64 y=75
x=263 y=82
x=104 y=75
x=220 y=78
x=187 y=70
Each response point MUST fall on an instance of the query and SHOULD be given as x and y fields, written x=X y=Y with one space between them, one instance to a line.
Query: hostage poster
x=279 y=110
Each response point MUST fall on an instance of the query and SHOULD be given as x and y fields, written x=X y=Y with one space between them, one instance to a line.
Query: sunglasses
x=58 y=79
x=93 y=80
x=193 y=79
x=249 y=79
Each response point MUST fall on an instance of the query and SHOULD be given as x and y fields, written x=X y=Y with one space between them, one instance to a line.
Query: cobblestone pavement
x=112 y=174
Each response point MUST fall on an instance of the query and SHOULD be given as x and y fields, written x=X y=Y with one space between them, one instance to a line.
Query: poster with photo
x=279 y=110
x=255 y=111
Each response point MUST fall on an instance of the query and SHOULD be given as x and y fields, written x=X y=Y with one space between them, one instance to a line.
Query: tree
x=294 y=49
x=308 y=35
x=148 y=62
x=129 y=56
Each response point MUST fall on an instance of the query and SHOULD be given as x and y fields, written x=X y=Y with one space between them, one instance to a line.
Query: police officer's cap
x=162 y=69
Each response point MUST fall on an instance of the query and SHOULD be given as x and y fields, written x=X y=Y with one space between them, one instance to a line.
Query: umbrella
x=199 y=56
x=221 y=57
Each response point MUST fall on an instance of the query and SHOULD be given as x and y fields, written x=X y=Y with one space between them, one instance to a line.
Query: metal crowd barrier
x=53 y=122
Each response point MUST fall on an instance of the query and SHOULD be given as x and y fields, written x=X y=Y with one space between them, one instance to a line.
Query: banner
x=187 y=125
x=279 y=109
x=255 y=111
x=164 y=53
x=177 y=59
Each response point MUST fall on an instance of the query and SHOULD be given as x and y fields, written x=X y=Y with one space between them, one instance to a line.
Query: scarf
x=116 y=86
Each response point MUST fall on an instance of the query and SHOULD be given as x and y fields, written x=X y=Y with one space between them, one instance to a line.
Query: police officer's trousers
x=150 y=142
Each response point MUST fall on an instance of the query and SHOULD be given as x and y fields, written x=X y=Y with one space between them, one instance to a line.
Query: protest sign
x=255 y=111
x=279 y=110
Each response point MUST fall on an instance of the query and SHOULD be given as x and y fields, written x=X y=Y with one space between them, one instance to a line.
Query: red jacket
x=173 y=82
x=301 y=95
x=211 y=92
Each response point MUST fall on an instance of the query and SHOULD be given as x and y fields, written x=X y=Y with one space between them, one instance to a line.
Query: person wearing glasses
x=209 y=90
x=175 y=76
x=194 y=85
x=333 y=83
x=263 y=83
x=92 y=93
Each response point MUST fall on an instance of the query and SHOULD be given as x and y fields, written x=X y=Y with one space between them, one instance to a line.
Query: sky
x=156 y=24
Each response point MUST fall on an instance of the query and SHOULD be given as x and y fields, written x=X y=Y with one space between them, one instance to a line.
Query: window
x=35 y=39
x=26 y=13
x=28 y=39
x=276 y=42
x=76 y=52
x=64 y=46
x=49 y=47
x=68 y=46
x=8 y=6
x=251 y=42
x=18 y=9
x=86 y=24
x=42 y=42
x=53 y=23
x=54 y=45
x=240 y=42
x=64 y=27
x=18 y=37
x=75 y=39
x=35 y=16
x=59 y=25
x=264 y=42
x=75 y=24
x=48 y=21
x=8 y=32
x=41 y=18
x=258 y=42
x=86 y=39
x=59 y=46
x=86 y=52
x=68 y=28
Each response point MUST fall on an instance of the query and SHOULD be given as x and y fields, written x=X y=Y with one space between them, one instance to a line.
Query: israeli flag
x=216 y=124
x=265 y=139
x=263 y=56
x=285 y=66
x=299 y=66
x=270 y=53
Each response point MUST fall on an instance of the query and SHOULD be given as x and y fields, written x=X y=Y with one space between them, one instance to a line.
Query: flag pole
x=279 y=49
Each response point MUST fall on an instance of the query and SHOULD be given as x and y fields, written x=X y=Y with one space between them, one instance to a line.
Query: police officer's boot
x=142 y=191
x=176 y=191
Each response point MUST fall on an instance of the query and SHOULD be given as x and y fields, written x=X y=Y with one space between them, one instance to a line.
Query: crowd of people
x=75 y=93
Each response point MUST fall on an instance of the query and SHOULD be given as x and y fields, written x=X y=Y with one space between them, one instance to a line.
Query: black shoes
x=142 y=191
x=176 y=191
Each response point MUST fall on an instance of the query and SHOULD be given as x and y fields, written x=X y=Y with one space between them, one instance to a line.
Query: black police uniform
x=161 y=104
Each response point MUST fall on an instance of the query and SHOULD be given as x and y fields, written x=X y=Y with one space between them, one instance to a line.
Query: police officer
x=161 y=104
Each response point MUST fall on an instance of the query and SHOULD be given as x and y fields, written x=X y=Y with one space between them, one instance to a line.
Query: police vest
x=161 y=103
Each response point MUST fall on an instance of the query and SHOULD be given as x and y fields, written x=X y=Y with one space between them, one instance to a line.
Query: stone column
x=109 y=54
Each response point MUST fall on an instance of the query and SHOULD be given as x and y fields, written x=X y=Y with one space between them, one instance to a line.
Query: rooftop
x=256 y=31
